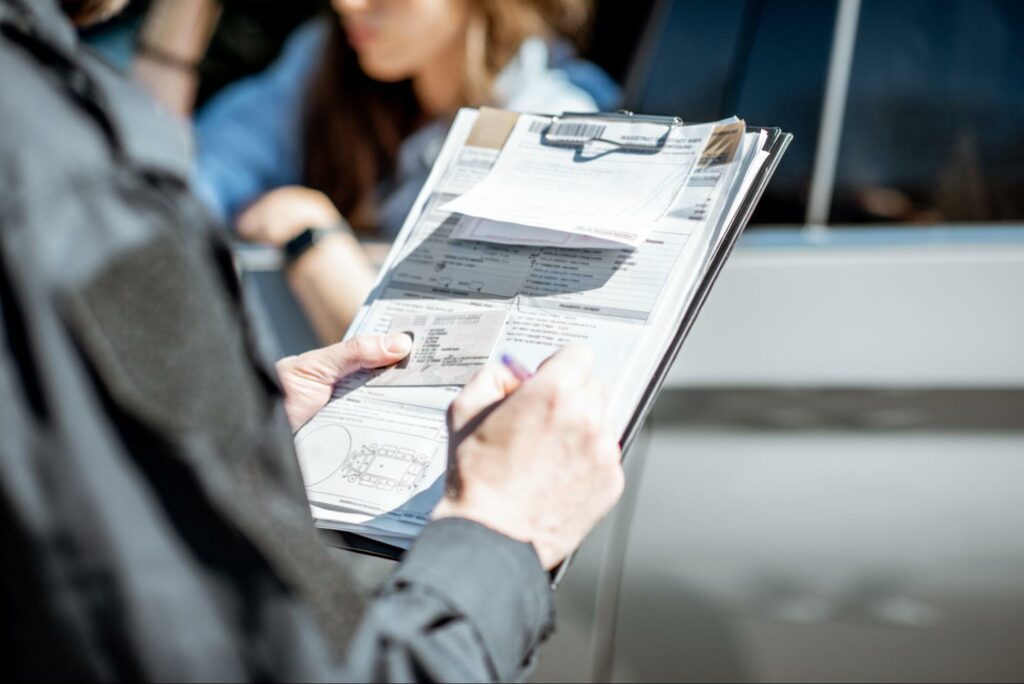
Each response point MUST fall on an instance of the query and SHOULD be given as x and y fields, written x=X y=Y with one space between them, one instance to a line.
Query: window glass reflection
x=934 y=127
x=765 y=60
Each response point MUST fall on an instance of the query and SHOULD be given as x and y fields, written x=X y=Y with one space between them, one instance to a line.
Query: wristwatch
x=308 y=238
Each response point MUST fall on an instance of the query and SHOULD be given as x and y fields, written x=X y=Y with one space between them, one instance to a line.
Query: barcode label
x=564 y=130
x=538 y=126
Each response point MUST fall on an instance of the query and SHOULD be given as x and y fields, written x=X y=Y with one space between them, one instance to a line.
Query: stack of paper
x=520 y=243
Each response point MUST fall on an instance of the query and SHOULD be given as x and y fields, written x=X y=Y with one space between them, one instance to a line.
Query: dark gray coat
x=154 y=523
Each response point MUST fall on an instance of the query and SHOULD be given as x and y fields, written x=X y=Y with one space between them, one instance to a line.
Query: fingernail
x=398 y=344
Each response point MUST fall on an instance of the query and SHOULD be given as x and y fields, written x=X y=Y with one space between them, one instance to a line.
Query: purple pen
x=517 y=369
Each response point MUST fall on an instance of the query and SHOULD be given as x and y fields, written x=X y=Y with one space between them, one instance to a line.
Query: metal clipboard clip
x=577 y=129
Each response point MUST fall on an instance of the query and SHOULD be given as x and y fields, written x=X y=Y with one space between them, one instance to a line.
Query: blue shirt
x=249 y=137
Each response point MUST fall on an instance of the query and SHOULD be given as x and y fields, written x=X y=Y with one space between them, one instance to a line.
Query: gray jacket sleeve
x=467 y=604
x=155 y=522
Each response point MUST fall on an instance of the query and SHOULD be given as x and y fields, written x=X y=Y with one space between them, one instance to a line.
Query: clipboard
x=776 y=143
x=575 y=129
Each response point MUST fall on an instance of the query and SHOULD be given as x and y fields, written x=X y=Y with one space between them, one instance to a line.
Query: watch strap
x=307 y=239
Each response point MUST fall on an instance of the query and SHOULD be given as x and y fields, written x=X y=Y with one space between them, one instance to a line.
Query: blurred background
x=830 y=487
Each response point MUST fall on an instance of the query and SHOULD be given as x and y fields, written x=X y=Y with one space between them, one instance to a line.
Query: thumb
x=364 y=351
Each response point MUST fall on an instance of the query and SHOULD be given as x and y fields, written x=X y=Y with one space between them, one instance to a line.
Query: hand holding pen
x=516 y=368
x=532 y=457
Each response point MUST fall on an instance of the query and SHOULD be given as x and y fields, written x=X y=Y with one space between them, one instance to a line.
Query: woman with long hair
x=343 y=129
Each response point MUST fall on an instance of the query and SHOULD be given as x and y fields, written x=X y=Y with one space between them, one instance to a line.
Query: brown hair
x=354 y=124
x=85 y=12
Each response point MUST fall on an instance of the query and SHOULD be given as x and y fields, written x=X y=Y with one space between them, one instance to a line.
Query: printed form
x=374 y=459
x=603 y=193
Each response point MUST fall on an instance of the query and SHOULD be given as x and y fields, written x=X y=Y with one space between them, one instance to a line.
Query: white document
x=608 y=193
x=374 y=459
x=485 y=230
x=593 y=132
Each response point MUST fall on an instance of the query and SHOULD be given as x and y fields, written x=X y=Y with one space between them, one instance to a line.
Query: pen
x=517 y=369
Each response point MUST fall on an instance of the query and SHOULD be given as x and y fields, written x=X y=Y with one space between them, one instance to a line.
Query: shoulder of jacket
x=42 y=127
